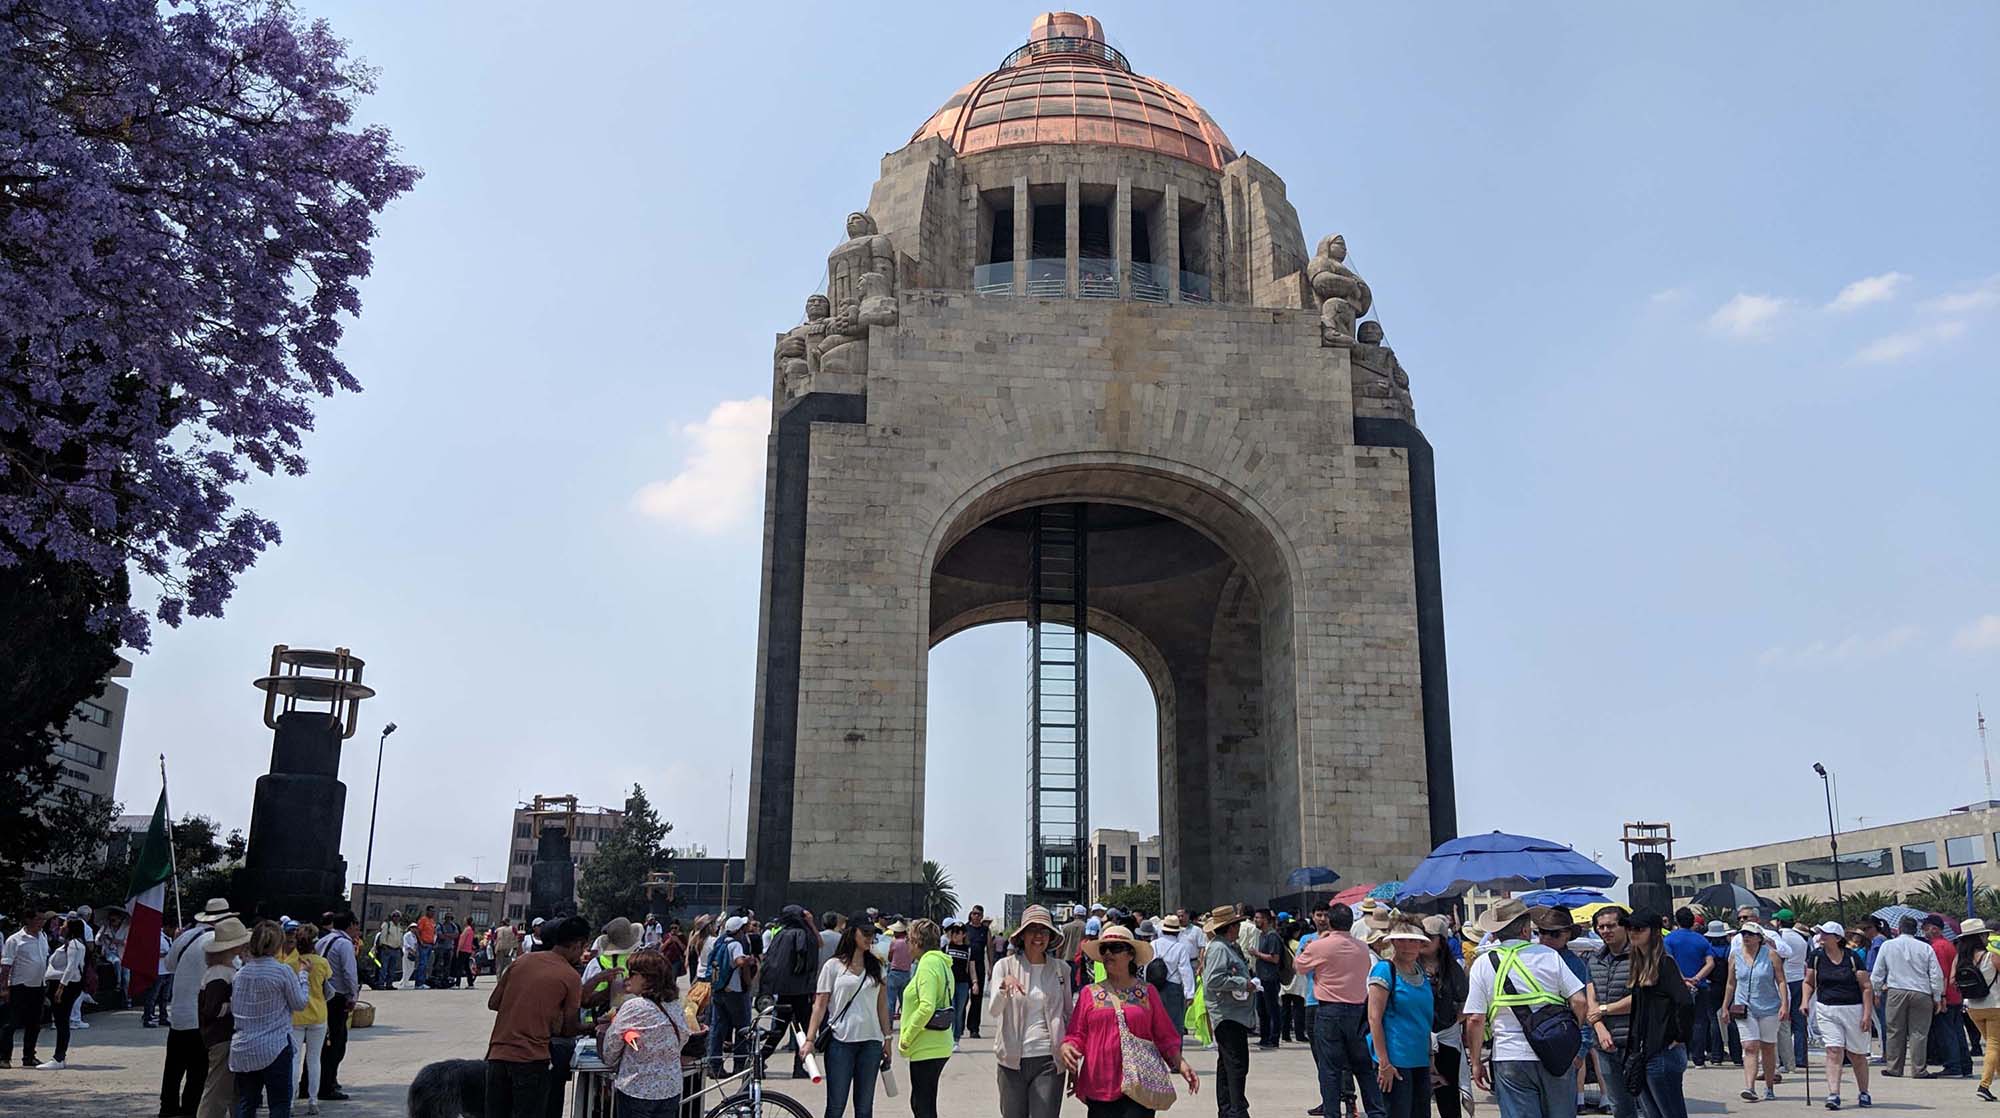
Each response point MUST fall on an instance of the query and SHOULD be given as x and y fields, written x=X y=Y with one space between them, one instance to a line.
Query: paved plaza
x=114 y=1072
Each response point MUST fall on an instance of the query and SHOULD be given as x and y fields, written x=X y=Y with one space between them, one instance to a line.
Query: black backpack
x=1970 y=982
x=1156 y=974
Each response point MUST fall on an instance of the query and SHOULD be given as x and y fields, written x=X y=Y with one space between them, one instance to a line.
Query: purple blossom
x=185 y=208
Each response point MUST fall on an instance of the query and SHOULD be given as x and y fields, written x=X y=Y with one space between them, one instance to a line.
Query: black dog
x=449 y=1089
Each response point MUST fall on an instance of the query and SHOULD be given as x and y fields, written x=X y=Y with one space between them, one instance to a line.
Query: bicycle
x=754 y=1100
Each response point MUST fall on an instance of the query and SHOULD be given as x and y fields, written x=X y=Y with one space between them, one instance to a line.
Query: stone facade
x=1895 y=857
x=1269 y=558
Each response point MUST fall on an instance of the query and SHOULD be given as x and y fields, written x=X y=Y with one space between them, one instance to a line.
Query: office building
x=1895 y=857
x=1121 y=858
x=587 y=826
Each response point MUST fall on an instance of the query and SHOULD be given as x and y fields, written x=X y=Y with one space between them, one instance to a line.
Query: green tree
x=614 y=883
x=1867 y=901
x=1144 y=897
x=1945 y=893
x=940 y=895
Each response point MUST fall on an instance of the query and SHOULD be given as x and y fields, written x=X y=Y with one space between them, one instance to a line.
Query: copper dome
x=1067 y=86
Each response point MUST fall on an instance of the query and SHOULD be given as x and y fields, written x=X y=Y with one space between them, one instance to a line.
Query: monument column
x=1024 y=220
x=1072 y=232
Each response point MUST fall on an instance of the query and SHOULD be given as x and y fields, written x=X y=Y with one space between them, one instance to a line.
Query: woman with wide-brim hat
x=1118 y=1006
x=1977 y=963
x=222 y=952
x=1029 y=996
x=1225 y=985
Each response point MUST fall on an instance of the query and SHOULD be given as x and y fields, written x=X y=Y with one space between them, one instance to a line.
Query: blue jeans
x=1953 y=1052
x=1524 y=1089
x=157 y=999
x=275 y=1081
x=897 y=980
x=422 y=975
x=1410 y=1094
x=1662 y=1097
x=961 y=993
x=1611 y=1076
x=1340 y=1049
x=728 y=1017
x=851 y=1066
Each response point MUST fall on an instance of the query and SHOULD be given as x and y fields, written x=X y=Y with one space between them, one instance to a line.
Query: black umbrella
x=1729 y=896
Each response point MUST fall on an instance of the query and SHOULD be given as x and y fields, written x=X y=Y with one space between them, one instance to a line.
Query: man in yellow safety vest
x=1510 y=984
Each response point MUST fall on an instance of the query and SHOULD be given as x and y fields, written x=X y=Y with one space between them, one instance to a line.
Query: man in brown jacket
x=537 y=998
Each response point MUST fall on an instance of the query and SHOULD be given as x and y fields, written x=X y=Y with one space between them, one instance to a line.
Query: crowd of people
x=1404 y=1013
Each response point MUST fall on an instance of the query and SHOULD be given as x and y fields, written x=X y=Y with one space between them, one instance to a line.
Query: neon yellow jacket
x=929 y=991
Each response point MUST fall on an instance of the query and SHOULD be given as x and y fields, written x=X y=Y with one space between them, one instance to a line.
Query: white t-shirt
x=1036 y=1039
x=1549 y=972
x=853 y=1021
x=28 y=953
x=1793 y=949
x=66 y=962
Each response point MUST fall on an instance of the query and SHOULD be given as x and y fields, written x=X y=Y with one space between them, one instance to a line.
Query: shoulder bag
x=1549 y=1027
x=1143 y=1073
x=941 y=1017
x=823 y=1040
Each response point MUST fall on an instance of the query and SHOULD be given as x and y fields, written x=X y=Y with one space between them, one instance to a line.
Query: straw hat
x=214 y=910
x=1552 y=918
x=1035 y=916
x=899 y=928
x=1437 y=926
x=1972 y=926
x=1405 y=933
x=1170 y=924
x=1220 y=917
x=229 y=933
x=1118 y=933
x=620 y=935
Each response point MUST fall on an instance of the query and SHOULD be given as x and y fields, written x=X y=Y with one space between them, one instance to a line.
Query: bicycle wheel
x=740 y=1106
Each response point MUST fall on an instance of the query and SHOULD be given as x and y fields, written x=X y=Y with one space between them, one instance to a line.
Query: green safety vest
x=1507 y=961
x=612 y=964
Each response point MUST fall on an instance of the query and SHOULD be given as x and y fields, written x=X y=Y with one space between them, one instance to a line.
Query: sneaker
x=30 y=1062
x=1864 y=1100
x=53 y=1065
x=1770 y=1093
x=312 y=1106
x=79 y=1024
x=1747 y=1095
x=955 y=1046
x=1317 y=1111
x=1833 y=1102
x=1983 y=1092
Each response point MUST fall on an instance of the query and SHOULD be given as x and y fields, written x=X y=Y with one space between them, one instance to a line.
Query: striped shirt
x=262 y=999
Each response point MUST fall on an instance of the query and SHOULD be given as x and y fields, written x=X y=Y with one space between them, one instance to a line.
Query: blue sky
x=1700 y=310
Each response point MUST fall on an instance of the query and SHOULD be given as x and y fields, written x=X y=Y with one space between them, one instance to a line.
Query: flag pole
x=179 y=918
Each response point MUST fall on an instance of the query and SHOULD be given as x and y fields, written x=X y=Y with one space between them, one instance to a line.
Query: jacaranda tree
x=186 y=205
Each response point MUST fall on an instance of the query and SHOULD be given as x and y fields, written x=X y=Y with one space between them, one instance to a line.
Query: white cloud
x=1669 y=295
x=1984 y=297
x=1983 y=635
x=723 y=478
x=1848 y=649
x=1874 y=289
x=1896 y=347
x=1747 y=316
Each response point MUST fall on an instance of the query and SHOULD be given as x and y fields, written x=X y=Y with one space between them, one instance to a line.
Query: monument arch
x=1075 y=362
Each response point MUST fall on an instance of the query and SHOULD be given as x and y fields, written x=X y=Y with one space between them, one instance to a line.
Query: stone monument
x=1074 y=365
x=292 y=865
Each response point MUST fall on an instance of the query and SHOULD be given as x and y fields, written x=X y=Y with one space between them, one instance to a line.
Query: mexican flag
x=148 y=901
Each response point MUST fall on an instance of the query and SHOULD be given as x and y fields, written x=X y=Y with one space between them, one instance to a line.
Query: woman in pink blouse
x=1092 y=1052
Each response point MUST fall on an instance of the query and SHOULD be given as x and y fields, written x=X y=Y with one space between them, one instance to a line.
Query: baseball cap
x=733 y=925
x=1831 y=928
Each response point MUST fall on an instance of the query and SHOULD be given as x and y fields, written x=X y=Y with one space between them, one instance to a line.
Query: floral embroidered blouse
x=1094 y=1031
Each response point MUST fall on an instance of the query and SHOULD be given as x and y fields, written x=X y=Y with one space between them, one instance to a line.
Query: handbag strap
x=850 y=999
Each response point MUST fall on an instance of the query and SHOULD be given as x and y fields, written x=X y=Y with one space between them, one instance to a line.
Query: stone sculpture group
x=861 y=293
x=1380 y=385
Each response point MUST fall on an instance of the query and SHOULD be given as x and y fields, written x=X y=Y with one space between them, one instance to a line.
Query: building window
x=522 y=857
x=1117 y=863
x=1153 y=866
x=74 y=751
x=374 y=912
x=517 y=885
x=514 y=911
x=1917 y=856
x=1965 y=850
x=1690 y=884
x=1732 y=877
x=480 y=917
x=1764 y=877
x=1819 y=871
x=87 y=711
x=524 y=829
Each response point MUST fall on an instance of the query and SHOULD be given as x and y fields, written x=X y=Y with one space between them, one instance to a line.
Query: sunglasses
x=1115 y=949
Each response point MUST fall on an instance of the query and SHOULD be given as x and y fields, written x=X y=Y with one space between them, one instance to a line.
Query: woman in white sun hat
x=1978 y=967
x=1757 y=998
x=1836 y=994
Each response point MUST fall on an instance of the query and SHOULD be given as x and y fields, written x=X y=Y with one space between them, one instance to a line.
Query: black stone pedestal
x=293 y=865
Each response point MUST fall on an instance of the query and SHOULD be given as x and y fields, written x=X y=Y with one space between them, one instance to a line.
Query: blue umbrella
x=1386 y=891
x=1308 y=877
x=1566 y=898
x=1502 y=863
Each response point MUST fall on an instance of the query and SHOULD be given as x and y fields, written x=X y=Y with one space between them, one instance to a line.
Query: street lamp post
x=374 y=802
x=1832 y=841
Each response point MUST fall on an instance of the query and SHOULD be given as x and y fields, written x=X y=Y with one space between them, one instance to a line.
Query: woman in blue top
x=1757 y=984
x=1399 y=1024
